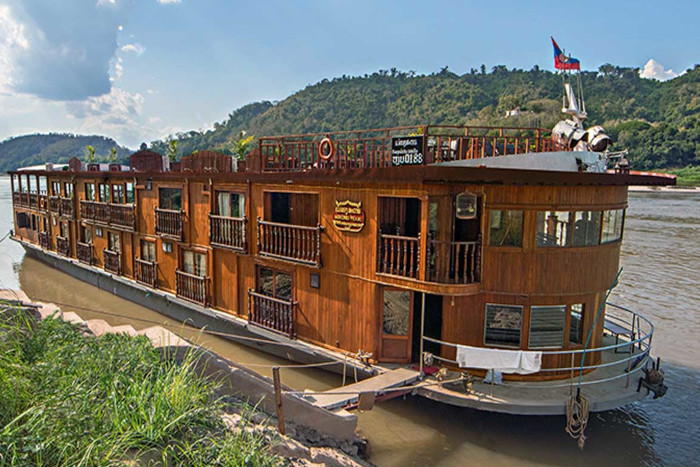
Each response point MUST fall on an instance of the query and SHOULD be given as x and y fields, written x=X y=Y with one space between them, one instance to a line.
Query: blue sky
x=138 y=70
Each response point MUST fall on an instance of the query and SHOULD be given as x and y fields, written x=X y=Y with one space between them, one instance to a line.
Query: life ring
x=326 y=149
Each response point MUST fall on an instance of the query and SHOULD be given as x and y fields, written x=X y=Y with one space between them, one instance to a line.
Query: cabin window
x=547 y=326
x=90 y=192
x=230 y=204
x=148 y=250
x=22 y=220
x=503 y=325
x=56 y=188
x=13 y=183
x=292 y=208
x=399 y=216
x=396 y=312
x=587 y=228
x=576 y=324
x=104 y=192
x=554 y=228
x=68 y=189
x=42 y=185
x=63 y=229
x=170 y=198
x=194 y=263
x=613 y=221
x=98 y=231
x=167 y=247
x=277 y=284
x=113 y=243
x=33 y=227
x=85 y=234
x=118 y=194
x=506 y=228
x=32 y=184
x=130 y=197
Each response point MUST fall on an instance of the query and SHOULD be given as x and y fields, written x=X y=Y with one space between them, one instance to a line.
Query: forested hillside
x=658 y=122
x=55 y=147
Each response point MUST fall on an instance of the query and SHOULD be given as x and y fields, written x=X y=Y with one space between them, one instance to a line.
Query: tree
x=113 y=154
x=240 y=146
x=171 y=149
x=90 y=152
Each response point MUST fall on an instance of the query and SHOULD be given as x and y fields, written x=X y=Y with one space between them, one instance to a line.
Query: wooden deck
x=344 y=396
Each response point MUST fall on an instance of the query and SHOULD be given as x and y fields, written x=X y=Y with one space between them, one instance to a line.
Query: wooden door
x=396 y=307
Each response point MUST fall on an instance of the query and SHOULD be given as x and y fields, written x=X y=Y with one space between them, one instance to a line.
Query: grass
x=687 y=176
x=70 y=399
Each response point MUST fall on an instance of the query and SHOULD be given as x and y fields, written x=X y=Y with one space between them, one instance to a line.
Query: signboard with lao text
x=348 y=216
x=407 y=150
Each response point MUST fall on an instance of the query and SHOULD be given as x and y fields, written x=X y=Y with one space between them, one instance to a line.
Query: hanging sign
x=407 y=150
x=348 y=216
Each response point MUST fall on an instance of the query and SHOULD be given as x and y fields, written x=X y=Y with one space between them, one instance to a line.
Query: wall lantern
x=465 y=206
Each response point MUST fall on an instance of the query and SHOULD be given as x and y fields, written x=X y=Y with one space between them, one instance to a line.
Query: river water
x=661 y=261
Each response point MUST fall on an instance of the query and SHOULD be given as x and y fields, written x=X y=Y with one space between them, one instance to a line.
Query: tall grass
x=70 y=399
x=687 y=176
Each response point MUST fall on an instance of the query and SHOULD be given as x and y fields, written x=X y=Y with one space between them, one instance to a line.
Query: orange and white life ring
x=326 y=149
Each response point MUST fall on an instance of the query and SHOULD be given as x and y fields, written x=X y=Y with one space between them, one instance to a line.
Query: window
x=554 y=228
x=56 y=188
x=32 y=184
x=98 y=231
x=118 y=194
x=576 y=324
x=63 y=229
x=23 y=220
x=275 y=283
x=503 y=325
x=230 y=204
x=547 y=326
x=130 y=197
x=506 y=228
x=167 y=247
x=612 y=225
x=42 y=185
x=90 y=192
x=170 y=198
x=587 y=228
x=68 y=189
x=33 y=222
x=104 y=192
x=85 y=234
x=148 y=250
x=15 y=186
x=113 y=243
x=194 y=263
x=396 y=312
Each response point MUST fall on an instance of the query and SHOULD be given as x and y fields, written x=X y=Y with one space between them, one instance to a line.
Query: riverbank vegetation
x=72 y=399
x=687 y=176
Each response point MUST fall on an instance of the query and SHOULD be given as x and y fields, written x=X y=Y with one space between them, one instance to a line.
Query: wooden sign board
x=348 y=216
x=407 y=150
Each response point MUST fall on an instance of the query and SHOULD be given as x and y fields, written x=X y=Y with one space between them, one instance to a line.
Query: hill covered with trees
x=27 y=150
x=659 y=122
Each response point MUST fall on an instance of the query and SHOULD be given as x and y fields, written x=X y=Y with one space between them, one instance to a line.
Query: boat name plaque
x=348 y=216
x=407 y=150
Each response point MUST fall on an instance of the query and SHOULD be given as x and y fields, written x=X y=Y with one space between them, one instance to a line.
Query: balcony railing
x=169 y=222
x=191 y=287
x=272 y=313
x=84 y=252
x=118 y=215
x=67 y=207
x=122 y=215
x=398 y=255
x=33 y=201
x=55 y=204
x=112 y=261
x=44 y=240
x=296 y=243
x=453 y=262
x=228 y=232
x=146 y=272
x=63 y=246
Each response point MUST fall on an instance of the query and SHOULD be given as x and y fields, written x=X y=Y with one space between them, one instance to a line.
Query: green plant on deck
x=241 y=145
x=113 y=154
x=90 y=153
x=171 y=149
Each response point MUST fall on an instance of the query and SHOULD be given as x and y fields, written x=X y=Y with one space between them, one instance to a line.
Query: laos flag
x=561 y=61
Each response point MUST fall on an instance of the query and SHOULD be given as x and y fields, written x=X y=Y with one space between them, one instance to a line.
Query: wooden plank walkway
x=347 y=395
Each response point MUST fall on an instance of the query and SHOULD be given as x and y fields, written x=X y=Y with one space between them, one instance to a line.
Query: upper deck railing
x=373 y=148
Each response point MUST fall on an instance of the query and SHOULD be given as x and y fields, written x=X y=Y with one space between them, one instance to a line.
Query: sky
x=140 y=70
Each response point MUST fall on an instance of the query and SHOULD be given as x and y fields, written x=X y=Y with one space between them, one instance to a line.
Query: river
x=661 y=261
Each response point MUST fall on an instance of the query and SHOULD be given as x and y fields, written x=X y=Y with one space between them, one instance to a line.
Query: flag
x=561 y=61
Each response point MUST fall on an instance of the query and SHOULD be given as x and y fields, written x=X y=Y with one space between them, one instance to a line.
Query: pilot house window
x=612 y=225
x=503 y=325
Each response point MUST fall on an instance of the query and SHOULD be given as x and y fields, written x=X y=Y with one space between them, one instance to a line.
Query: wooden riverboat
x=400 y=246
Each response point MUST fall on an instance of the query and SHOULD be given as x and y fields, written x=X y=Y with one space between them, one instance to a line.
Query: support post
x=278 y=399
x=422 y=330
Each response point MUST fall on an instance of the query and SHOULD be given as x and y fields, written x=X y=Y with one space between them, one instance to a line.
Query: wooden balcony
x=63 y=246
x=55 y=204
x=17 y=199
x=122 y=215
x=272 y=313
x=146 y=272
x=66 y=209
x=453 y=262
x=191 y=287
x=33 y=201
x=84 y=252
x=228 y=232
x=115 y=215
x=169 y=223
x=112 y=261
x=298 y=243
x=44 y=240
x=398 y=255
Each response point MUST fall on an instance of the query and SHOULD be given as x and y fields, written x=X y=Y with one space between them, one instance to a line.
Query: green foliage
x=687 y=176
x=113 y=154
x=68 y=399
x=171 y=149
x=241 y=145
x=90 y=153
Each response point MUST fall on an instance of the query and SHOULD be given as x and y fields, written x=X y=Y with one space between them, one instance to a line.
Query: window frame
x=196 y=267
x=492 y=211
x=170 y=205
x=486 y=327
x=275 y=273
x=231 y=194
x=564 y=309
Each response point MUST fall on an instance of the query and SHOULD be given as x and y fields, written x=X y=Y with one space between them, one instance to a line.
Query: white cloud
x=165 y=2
x=655 y=70
x=135 y=48
x=12 y=42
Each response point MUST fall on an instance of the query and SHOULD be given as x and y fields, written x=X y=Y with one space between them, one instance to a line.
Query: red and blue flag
x=561 y=61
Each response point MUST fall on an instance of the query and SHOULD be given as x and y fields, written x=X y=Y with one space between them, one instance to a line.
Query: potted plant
x=240 y=148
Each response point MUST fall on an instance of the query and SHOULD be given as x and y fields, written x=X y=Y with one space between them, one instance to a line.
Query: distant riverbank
x=686 y=177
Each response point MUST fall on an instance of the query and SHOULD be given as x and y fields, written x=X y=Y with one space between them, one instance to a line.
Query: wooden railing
x=67 y=207
x=228 y=232
x=146 y=272
x=55 y=204
x=453 y=262
x=118 y=215
x=112 y=261
x=297 y=243
x=191 y=287
x=33 y=201
x=17 y=199
x=169 y=222
x=84 y=252
x=44 y=240
x=63 y=246
x=122 y=215
x=398 y=256
x=272 y=313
